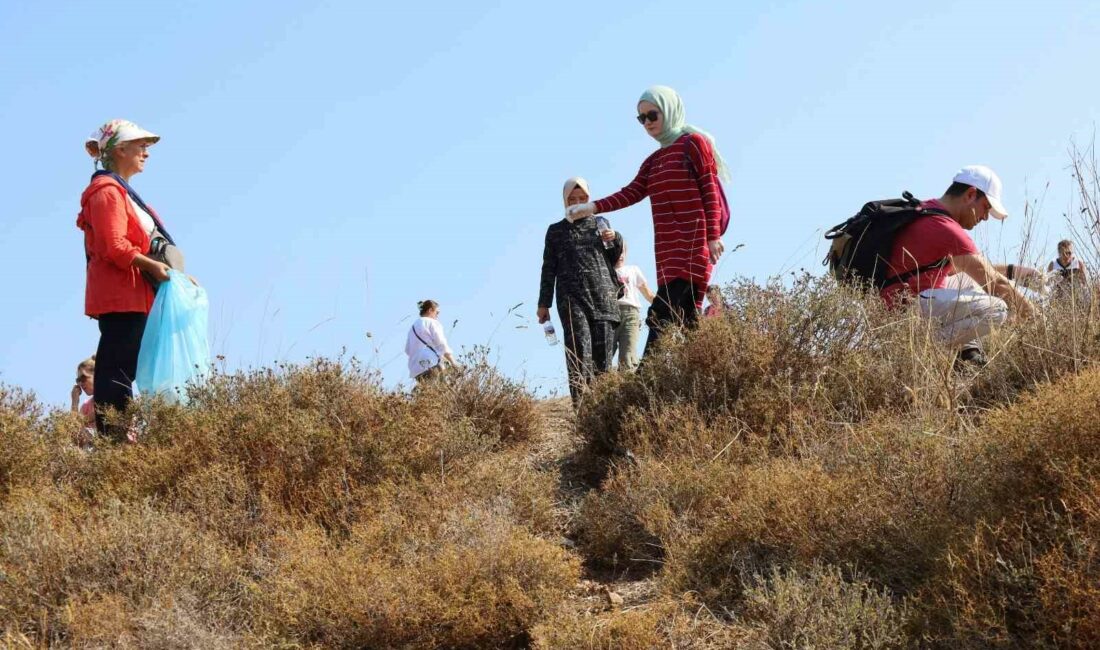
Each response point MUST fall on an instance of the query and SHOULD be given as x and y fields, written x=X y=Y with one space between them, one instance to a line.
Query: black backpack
x=861 y=246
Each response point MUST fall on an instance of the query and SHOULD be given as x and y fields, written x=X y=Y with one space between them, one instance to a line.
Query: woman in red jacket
x=681 y=181
x=117 y=226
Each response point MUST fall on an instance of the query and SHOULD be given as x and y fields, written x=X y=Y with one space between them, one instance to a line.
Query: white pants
x=963 y=314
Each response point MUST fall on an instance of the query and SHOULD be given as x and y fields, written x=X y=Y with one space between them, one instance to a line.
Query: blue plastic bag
x=174 y=349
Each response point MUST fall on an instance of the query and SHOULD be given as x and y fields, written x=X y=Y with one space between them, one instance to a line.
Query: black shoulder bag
x=162 y=247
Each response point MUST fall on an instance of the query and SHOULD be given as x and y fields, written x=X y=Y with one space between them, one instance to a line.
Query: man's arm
x=1023 y=275
x=995 y=284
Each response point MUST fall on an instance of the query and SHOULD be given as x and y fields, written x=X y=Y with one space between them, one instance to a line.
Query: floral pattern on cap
x=114 y=132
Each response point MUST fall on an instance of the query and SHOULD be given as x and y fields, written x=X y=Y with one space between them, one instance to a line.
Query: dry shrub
x=498 y=407
x=857 y=445
x=666 y=623
x=1021 y=455
x=641 y=511
x=882 y=494
x=480 y=584
x=1033 y=579
x=781 y=362
x=61 y=561
x=299 y=442
x=788 y=513
x=821 y=608
x=298 y=506
x=35 y=446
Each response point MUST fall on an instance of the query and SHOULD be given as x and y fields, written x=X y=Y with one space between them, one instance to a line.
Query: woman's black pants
x=115 y=366
x=674 y=306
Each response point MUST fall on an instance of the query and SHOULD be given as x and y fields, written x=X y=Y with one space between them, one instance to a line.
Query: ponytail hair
x=426 y=306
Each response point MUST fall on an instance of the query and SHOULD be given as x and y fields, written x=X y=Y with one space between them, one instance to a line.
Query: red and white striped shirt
x=686 y=211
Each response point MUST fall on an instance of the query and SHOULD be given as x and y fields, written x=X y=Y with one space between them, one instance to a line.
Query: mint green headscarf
x=671 y=106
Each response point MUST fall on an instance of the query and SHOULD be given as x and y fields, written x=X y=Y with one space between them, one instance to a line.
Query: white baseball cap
x=986 y=180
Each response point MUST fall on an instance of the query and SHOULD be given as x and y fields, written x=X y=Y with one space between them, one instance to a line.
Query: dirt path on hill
x=562 y=450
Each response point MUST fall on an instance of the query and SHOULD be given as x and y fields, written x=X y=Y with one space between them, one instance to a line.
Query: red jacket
x=113 y=237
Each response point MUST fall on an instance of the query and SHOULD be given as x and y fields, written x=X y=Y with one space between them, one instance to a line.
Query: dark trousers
x=588 y=347
x=675 y=306
x=115 y=366
x=430 y=374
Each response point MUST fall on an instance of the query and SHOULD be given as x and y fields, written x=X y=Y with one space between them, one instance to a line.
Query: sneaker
x=970 y=356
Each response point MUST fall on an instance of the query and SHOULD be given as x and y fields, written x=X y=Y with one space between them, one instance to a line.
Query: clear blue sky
x=326 y=165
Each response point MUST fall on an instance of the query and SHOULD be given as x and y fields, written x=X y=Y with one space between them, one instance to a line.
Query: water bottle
x=548 y=330
x=602 y=226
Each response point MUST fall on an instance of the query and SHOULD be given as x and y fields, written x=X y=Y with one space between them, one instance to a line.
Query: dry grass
x=829 y=446
x=810 y=472
x=300 y=506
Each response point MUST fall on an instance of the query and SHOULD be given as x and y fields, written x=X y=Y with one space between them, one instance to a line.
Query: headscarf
x=671 y=106
x=570 y=185
x=100 y=143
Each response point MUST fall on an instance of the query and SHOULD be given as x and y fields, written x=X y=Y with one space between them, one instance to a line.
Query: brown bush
x=304 y=505
x=821 y=608
x=666 y=623
x=498 y=408
x=483 y=590
x=61 y=560
x=780 y=363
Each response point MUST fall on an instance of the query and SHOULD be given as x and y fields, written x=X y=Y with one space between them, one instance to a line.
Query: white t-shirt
x=632 y=278
x=146 y=219
x=1056 y=265
x=423 y=358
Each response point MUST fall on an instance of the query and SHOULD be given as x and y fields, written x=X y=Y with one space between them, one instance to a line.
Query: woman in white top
x=1066 y=264
x=426 y=344
x=629 y=330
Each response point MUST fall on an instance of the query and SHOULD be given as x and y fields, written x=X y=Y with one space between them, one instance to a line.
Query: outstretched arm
x=1023 y=275
x=637 y=190
x=979 y=268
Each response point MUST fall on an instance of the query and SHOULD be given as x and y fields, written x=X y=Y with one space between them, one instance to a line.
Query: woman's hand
x=157 y=270
x=75 y=393
x=716 y=249
x=543 y=314
x=581 y=210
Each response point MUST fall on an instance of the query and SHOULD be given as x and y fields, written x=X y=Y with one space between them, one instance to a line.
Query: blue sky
x=326 y=165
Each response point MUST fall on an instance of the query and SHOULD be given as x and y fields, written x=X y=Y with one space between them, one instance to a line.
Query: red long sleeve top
x=686 y=209
x=113 y=237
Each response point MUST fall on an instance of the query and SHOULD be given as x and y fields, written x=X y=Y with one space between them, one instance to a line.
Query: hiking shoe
x=970 y=357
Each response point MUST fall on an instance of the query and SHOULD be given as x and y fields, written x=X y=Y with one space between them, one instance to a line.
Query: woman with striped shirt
x=681 y=181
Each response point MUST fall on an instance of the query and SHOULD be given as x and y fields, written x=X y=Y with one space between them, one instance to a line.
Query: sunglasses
x=651 y=116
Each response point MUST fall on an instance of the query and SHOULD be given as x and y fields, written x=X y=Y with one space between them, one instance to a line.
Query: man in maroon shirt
x=964 y=315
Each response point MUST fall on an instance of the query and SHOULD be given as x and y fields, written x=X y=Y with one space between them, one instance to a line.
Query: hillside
x=810 y=471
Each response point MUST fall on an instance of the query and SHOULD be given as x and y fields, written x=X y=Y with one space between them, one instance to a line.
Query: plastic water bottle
x=548 y=330
x=602 y=226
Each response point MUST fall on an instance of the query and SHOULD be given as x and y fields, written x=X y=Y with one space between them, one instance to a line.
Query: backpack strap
x=938 y=264
x=904 y=276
